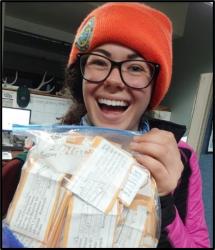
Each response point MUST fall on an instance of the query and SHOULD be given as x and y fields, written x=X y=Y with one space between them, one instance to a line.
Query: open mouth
x=107 y=105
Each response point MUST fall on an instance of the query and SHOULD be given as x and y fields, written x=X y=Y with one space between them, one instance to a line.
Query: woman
x=119 y=68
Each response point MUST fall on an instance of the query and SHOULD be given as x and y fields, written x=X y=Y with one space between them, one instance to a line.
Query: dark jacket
x=182 y=218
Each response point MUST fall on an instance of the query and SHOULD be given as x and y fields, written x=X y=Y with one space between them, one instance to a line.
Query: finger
x=157 y=136
x=166 y=183
x=156 y=169
x=154 y=150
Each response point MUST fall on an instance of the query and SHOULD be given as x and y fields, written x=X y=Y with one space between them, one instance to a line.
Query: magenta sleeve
x=193 y=233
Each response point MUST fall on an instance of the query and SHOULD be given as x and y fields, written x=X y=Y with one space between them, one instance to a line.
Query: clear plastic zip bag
x=81 y=187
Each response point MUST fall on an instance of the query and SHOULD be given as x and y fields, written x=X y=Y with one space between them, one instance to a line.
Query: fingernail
x=136 y=138
x=133 y=144
x=135 y=154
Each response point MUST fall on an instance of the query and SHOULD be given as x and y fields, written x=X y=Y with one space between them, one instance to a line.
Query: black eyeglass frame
x=118 y=65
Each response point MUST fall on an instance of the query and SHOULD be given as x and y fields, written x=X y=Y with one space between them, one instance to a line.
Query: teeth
x=112 y=102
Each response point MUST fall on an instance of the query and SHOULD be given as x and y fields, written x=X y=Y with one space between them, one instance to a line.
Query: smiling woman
x=120 y=67
x=117 y=71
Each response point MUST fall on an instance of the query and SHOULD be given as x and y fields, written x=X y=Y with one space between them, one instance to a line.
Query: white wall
x=192 y=56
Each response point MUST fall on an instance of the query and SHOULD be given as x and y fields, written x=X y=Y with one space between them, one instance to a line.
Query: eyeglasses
x=137 y=74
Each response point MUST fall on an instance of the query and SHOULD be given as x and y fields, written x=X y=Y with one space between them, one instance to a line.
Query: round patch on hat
x=83 y=39
x=23 y=96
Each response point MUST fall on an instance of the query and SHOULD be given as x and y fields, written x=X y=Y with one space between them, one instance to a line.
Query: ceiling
x=60 y=20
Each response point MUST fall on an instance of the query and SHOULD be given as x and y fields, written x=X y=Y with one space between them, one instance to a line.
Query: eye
x=135 y=68
x=97 y=62
x=138 y=68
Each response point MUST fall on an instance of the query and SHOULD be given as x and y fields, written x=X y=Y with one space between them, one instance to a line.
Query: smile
x=112 y=105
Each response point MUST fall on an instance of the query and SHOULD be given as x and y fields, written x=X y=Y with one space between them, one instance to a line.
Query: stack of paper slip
x=80 y=191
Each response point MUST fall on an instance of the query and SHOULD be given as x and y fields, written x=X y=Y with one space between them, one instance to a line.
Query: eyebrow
x=108 y=54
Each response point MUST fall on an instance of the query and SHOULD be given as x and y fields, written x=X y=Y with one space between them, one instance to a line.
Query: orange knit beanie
x=136 y=26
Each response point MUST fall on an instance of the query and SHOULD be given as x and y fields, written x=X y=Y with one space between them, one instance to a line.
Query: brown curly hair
x=73 y=80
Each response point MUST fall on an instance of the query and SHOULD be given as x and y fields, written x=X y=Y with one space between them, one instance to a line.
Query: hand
x=158 y=152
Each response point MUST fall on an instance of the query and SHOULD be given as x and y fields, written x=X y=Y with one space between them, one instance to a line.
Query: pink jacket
x=193 y=233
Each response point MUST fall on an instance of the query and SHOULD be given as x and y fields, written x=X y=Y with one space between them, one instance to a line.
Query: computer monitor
x=12 y=116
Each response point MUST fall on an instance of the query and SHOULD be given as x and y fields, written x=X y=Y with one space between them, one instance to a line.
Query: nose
x=114 y=79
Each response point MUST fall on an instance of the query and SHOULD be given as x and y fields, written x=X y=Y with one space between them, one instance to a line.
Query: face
x=111 y=103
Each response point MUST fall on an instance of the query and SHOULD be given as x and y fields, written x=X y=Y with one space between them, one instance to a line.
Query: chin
x=113 y=126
